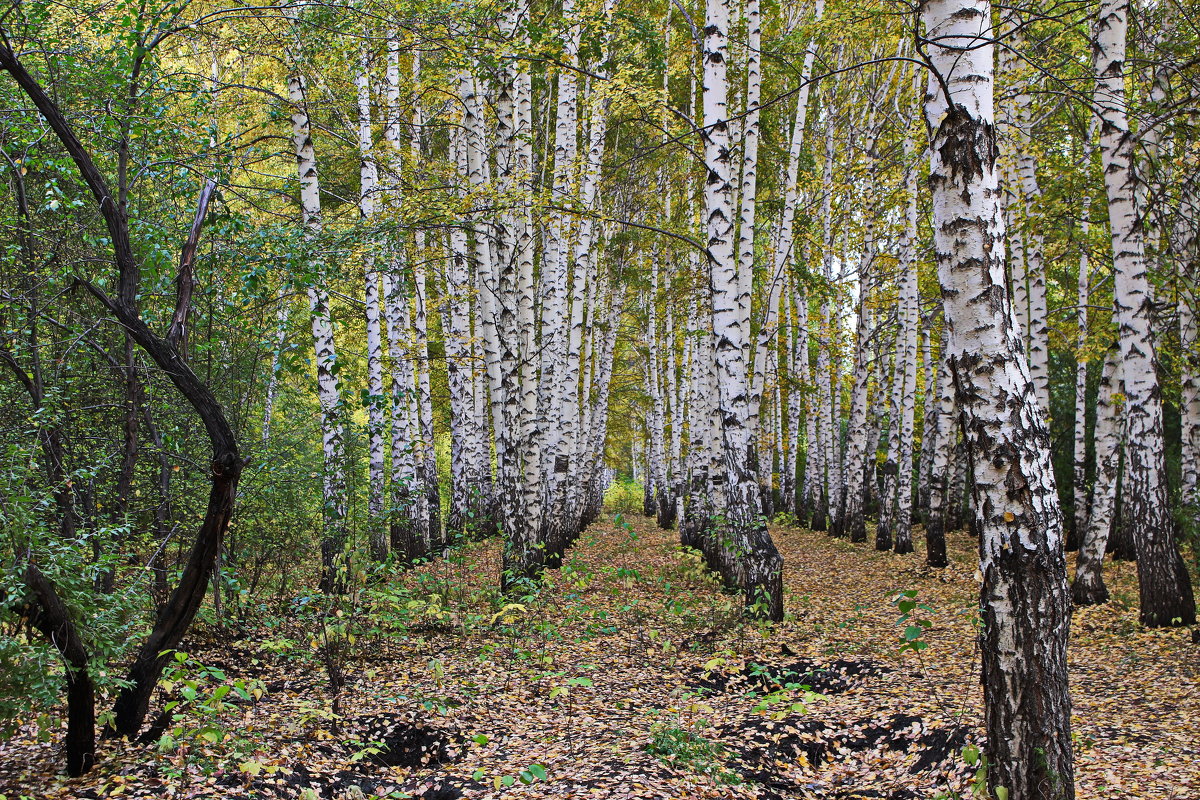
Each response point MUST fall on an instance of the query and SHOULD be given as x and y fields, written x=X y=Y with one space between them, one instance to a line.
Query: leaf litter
x=631 y=675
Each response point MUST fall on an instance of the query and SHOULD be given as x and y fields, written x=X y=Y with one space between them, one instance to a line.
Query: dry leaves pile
x=632 y=676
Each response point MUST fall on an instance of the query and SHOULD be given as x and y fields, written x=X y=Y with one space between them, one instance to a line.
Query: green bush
x=624 y=496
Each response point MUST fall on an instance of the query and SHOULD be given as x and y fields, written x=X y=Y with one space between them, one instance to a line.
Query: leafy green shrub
x=624 y=496
x=677 y=746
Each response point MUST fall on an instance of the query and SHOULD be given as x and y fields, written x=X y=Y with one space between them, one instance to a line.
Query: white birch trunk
x=430 y=505
x=1163 y=582
x=522 y=557
x=853 y=522
x=812 y=451
x=657 y=490
x=574 y=440
x=531 y=436
x=1089 y=588
x=377 y=519
x=940 y=439
x=1035 y=262
x=1185 y=248
x=1189 y=338
x=1079 y=472
x=785 y=237
x=673 y=387
x=555 y=273
x=333 y=539
x=1025 y=606
x=791 y=445
x=598 y=427
x=468 y=507
x=929 y=369
x=748 y=191
x=824 y=476
x=281 y=323
x=405 y=532
x=750 y=559
x=909 y=311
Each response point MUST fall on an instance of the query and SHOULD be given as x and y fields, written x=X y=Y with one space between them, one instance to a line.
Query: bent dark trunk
x=48 y=613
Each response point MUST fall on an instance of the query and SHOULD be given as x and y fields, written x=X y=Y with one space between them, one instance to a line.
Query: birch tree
x=744 y=536
x=1088 y=587
x=407 y=529
x=1079 y=472
x=1024 y=601
x=333 y=540
x=377 y=520
x=1164 y=586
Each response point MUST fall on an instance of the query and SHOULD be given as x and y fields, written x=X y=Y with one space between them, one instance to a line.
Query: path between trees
x=633 y=676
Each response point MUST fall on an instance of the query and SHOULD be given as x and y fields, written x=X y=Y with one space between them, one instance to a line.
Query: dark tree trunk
x=856 y=523
x=47 y=612
x=174 y=618
x=935 y=542
x=883 y=532
x=1120 y=538
x=820 y=511
x=666 y=510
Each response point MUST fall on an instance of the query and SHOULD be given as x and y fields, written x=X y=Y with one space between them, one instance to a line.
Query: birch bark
x=333 y=539
x=377 y=520
x=744 y=535
x=825 y=467
x=555 y=275
x=940 y=441
x=1185 y=248
x=1079 y=471
x=405 y=531
x=1088 y=588
x=430 y=506
x=1024 y=601
x=1164 y=586
x=907 y=342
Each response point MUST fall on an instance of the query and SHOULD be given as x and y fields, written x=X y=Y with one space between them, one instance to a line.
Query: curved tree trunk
x=176 y=616
x=46 y=611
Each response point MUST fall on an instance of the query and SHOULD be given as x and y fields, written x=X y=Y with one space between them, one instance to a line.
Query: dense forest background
x=300 y=301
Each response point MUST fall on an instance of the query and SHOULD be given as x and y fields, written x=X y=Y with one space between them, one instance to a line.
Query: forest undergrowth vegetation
x=628 y=672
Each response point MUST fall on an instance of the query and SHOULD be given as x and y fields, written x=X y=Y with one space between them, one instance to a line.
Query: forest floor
x=632 y=676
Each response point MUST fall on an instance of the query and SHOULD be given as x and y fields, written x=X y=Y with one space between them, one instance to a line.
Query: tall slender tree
x=1164 y=586
x=1024 y=601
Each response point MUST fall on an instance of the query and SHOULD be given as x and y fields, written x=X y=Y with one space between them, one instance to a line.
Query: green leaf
x=538 y=771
